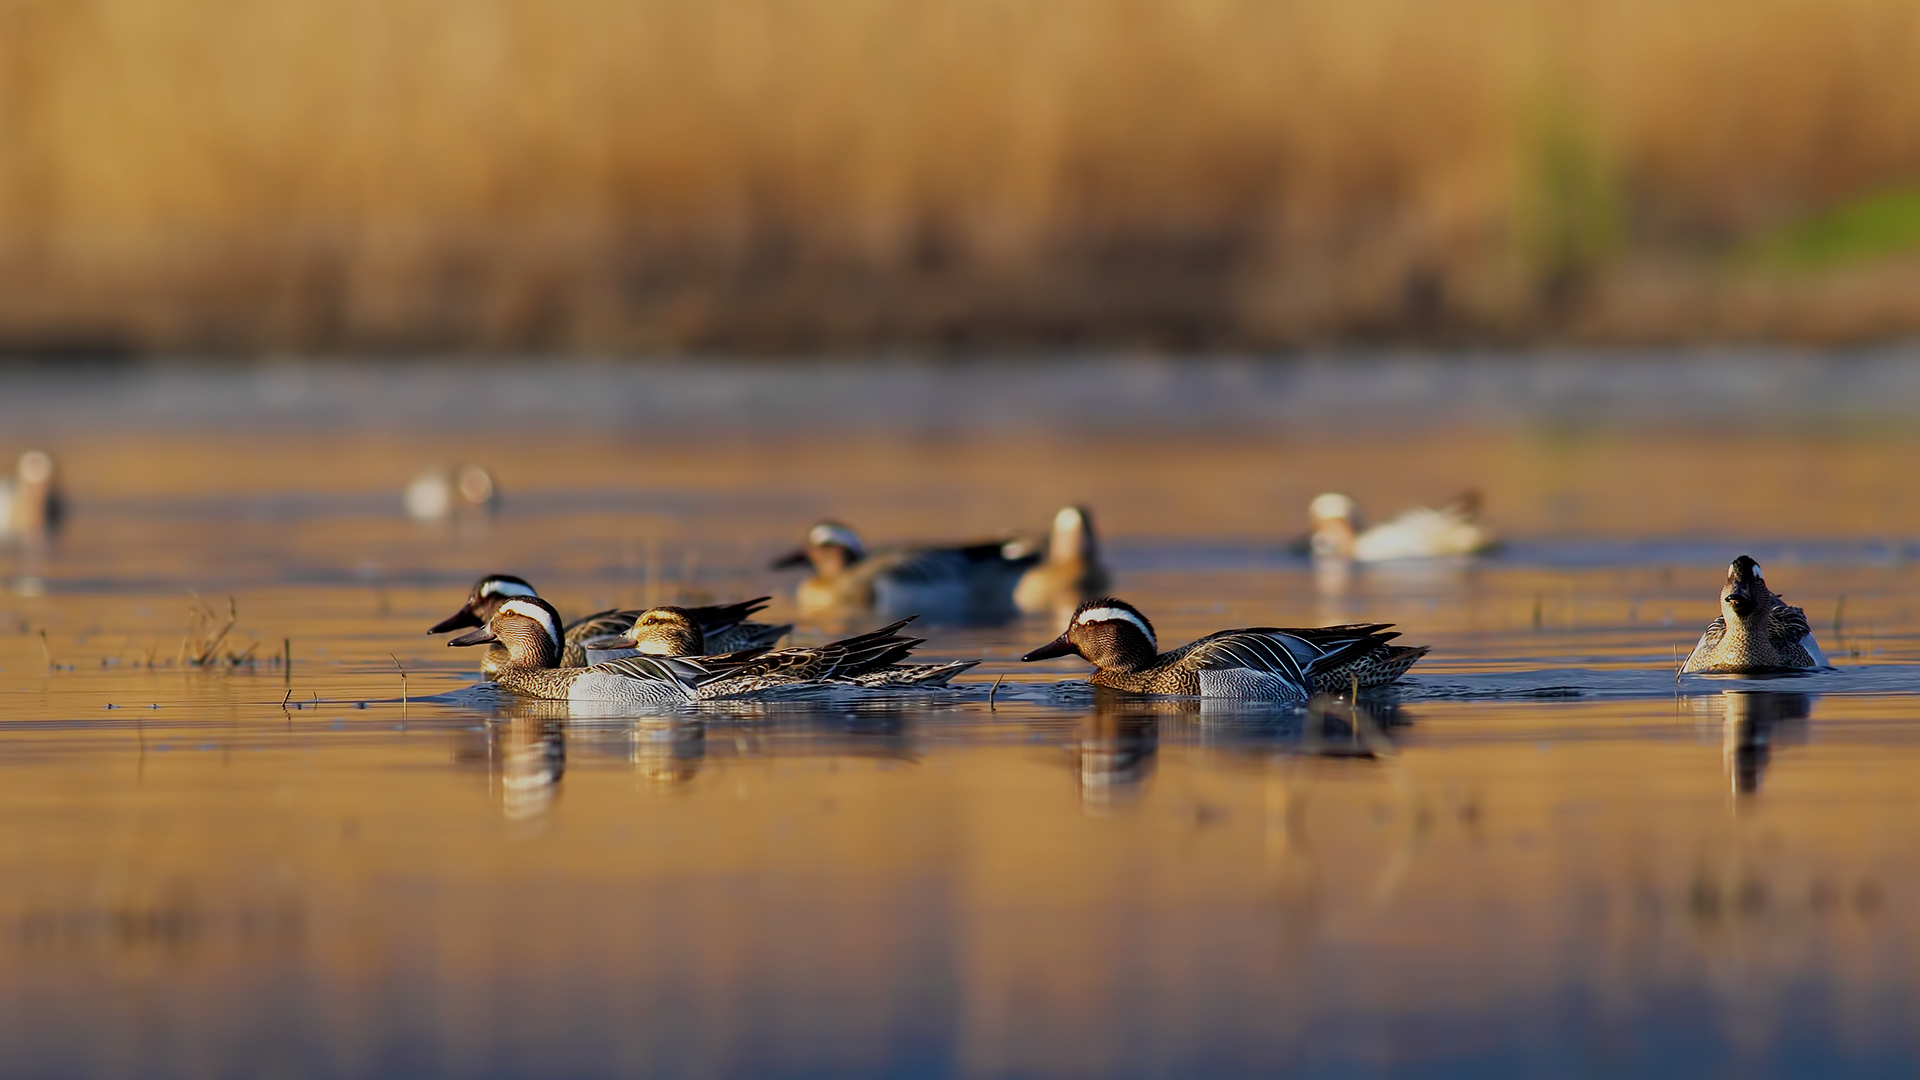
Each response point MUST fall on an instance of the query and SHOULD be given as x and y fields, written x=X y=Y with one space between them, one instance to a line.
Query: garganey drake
x=1419 y=533
x=30 y=502
x=1071 y=571
x=871 y=660
x=1756 y=632
x=725 y=626
x=1256 y=663
x=965 y=583
x=528 y=629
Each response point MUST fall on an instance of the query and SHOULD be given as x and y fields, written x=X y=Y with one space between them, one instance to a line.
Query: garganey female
x=529 y=629
x=1071 y=571
x=1419 y=533
x=871 y=660
x=1258 y=663
x=725 y=626
x=1756 y=632
x=965 y=583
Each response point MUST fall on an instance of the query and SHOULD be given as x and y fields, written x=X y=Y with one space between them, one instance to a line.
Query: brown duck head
x=485 y=599
x=528 y=627
x=1745 y=592
x=1110 y=634
x=667 y=631
x=831 y=548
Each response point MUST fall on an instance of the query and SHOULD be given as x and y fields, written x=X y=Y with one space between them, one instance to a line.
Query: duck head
x=1745 y=592
x=831 y=548
x=529 y=628
x=36 y=501
x=667 y=631
x=485 y=599
x=1072 y=539
x=1336 y=524
x=1110 y=634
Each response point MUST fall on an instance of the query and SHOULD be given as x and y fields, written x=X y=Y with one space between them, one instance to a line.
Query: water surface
x=1547 y=855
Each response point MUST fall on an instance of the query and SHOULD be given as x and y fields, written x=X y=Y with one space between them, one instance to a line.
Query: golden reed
x=826 y=174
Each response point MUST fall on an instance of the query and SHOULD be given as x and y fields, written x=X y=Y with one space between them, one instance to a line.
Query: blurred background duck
x=461 y=491
x=30 y=499
x=962 y=583
x=1420 y=533
x=1757 y=632
x=727 y=627
x=1071 y=570
x=873 y=659
x=1253 y=663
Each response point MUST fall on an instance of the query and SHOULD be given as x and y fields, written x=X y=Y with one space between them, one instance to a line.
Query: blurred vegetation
x=1871 y=227
x=772 y=175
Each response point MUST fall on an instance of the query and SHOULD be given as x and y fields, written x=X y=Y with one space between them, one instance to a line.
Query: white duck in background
x=462 y=491
x=30 y=502
x=1420 y=533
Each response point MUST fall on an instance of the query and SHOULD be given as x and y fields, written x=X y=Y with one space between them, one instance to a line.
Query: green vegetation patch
x=1871 y=227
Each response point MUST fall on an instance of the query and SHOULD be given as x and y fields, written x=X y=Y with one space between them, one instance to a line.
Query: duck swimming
x=964 y=583
x=1420 y=533
x=872 y=659
x=1071 y=571
x=725 y=626
x=1255 y=663
x=1757 y=632
x=529 y=629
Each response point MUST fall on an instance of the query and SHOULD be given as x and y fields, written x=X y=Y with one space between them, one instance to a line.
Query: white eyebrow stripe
x=1756 y=570
x=821 y=535
x=535 y=613
x=506 y=588
x=1114 y=614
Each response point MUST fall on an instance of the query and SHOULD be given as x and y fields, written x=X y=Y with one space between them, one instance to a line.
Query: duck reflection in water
x=1115 y=748
x=528 y=757
x=1752 y=722
x=669 y=752
x=1328 y=727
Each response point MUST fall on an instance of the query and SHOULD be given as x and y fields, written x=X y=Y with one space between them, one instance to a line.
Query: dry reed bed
x=799 y=173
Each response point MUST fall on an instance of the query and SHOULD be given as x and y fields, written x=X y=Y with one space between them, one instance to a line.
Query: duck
x=442 y=493
x=529 y=630
x=871 y=660
x=1071 y=571
x=1420 y=533
x=726 y=627
x=960 y=583
x=30 y=499
x=1254 y=663
x=1756 y=633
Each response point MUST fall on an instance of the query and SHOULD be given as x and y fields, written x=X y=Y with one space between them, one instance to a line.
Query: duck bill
x=459 y=619
x=477 y=637
x=1741 y=601
x=1058 y=647
x=791 y=560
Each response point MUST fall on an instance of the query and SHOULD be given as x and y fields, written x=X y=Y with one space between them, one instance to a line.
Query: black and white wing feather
x=686 y=674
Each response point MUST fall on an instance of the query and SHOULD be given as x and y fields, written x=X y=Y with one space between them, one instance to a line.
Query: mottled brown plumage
x=1756 y=632
x=1255 y=662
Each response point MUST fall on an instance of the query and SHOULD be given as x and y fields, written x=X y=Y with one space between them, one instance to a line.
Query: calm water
x=1546 y=857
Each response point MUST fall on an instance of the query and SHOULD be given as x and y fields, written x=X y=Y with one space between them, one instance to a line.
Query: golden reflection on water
x=252 y=871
